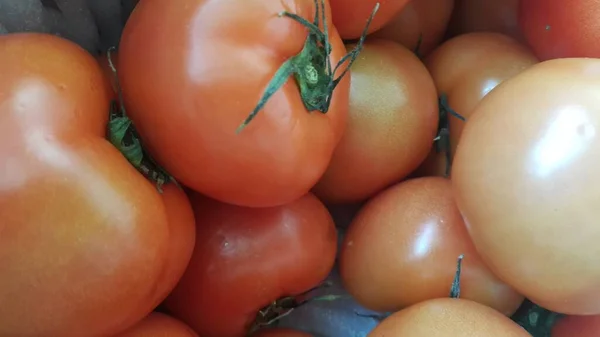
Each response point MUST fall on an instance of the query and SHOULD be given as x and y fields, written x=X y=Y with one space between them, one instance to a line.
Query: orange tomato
x=159 y=325
x=402 y=247
x=495 y=16
x=88 y=246
x=420 y=26
x=191 y=73
x=350 y=16
x=392 y=122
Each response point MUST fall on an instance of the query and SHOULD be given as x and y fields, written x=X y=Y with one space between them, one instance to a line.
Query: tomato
x=466 y=68
x=392 y=122
x=203 y=71
x=402 y=247
x=420 y=26
x=247 y=258
x=279 y=332
x=580 y=326
x=350 y=17
x=448 y=317
x=159 y=325
x=557 y=31
x=524 y=176
x=499 y=16
x=86 y=246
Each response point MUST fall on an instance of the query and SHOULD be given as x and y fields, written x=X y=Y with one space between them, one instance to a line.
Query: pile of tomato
x=181 y=183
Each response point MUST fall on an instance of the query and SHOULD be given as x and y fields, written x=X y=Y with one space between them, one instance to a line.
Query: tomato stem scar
x=311 y=68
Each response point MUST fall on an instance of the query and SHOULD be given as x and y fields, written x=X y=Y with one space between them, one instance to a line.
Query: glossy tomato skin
x=420 y=26
x=447 y=317
x=279 y=332
x=465 y=69
x=580 y=326
x=392 y=122
x=246 y=258
x=524 y=177
x=402 y=249
x=495 y=16
x=85 y=237
x=350 y=16
x=203 y=71
x=557 y=31
x=159 y=325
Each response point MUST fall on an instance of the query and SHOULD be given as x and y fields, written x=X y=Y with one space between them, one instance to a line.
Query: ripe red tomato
x=203 y=71
x=524 y=177
x=350 y=17
x=85 y=248
x=465 y=69
x=279 y=332
x=392 y=122
x=448 y=317
x=246 y=258
x=402 y=247
x=556 y=31
x=498 y=16
x=577 y=326
x=420 y=26
x=159 y=325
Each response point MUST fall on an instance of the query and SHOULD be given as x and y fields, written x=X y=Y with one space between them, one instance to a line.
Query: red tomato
x=277 y=332
x=577 y=326
x=203 y=71
x=447 y=317
x=499 y=16
x=350 y=16
x=402 y=247
x=420 y=26
x=246 y=258
x=465 y=69
x=556 y=31
x=85 y=248
x=392 y=122
x=525 y=180
x=159 y=325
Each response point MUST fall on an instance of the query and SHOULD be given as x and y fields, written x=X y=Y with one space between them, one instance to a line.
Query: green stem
x=311 y=67
x=455 y=289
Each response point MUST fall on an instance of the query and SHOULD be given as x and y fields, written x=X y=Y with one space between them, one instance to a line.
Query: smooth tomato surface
x=203 y=71
x=447 y=317
x=392 y=122
x=579 y=326
x=402 y=249
x=556 y=31
x=350 y=16
x=85 y=238
x=420 y=26
x=159 y=325
x=246 y=258
x=279 y=332
x=524 y=177
x=498 y=16
x=465 y=69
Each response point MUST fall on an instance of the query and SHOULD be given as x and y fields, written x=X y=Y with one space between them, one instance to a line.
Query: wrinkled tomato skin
x=350 y=16
x=414 y=228
x=465 y=69
x=278 y=332
x=191 y=85
x=392 y=121
x=159 y=325
x=85 y=237
x=494 y=16
x=246 y=258
x=579 y=326
x=420 y=26
x=554 y=30
x=445 y=317
x=525 y=178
